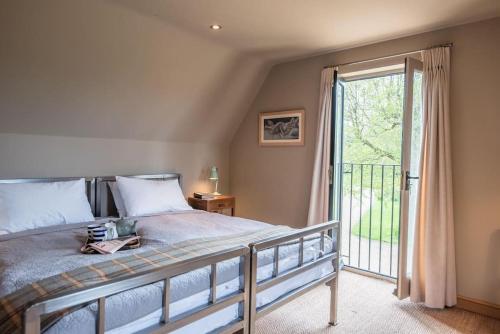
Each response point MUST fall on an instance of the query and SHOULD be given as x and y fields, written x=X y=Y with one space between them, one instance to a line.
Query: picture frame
x=282 y=128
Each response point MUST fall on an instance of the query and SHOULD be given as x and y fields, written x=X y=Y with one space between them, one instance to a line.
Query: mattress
x=29 y=257
x=149 y=322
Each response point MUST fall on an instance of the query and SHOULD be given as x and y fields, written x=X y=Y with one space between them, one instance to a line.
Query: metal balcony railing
x=370 y=217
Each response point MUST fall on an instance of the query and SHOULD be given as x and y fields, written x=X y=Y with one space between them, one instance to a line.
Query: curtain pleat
x=433 y=280
x=318 y=202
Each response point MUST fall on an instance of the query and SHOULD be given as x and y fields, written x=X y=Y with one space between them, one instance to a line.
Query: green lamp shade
x=214 y=174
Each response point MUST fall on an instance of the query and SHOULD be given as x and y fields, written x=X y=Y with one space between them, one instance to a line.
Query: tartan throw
x=13 y=306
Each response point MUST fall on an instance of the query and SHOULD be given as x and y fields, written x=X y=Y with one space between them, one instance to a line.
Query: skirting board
x=478 y=306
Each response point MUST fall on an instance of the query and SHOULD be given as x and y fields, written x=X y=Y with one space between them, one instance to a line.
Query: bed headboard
x=90 y=186
x=105 y=205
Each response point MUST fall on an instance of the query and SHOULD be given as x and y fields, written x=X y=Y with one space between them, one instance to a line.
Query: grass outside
x=387 y=220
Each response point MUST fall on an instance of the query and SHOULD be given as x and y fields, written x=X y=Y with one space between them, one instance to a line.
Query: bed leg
x=253 y=291
x=333 y=302
x=334 y=283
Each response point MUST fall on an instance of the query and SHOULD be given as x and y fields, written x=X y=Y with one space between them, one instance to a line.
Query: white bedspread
x=29 y=257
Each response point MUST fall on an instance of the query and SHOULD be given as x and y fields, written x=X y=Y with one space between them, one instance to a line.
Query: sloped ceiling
x=286 y=29
x=91 y=68
x=152 y=69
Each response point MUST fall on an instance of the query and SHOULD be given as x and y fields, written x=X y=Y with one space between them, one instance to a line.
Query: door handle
x=408 y=178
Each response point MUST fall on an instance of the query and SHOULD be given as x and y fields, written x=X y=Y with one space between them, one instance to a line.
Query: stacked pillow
x=139 y=197
x=25 y=206
x=117 y=198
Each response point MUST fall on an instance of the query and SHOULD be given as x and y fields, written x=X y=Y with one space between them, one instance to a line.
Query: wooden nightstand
x=221 y=204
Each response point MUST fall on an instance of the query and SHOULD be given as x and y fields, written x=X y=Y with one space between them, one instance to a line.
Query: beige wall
x=92 y=87
x=93 y=68
x=272 y=184
x=28 y=156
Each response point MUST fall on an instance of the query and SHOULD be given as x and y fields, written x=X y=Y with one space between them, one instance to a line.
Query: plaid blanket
x=13 y=306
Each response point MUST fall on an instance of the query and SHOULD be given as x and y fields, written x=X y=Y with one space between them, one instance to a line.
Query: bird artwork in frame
x=281 y=128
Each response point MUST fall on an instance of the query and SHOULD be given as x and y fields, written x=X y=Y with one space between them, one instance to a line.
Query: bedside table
x=221 y=204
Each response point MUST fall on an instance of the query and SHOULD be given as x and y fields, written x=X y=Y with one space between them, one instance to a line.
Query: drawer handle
x=221 y=205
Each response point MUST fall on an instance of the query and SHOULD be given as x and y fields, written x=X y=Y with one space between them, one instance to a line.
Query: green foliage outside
x=373 y=110
x=375 y=222
x=372 y=120
x=383 y=209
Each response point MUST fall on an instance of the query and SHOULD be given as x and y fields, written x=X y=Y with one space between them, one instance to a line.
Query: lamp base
x=216 y=193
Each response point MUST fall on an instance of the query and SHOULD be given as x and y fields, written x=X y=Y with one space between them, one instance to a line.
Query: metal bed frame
x=99 y=292
x=277 y=277
x=98 y=195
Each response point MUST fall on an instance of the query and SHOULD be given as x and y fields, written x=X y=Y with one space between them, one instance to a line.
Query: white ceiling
x=284 y=29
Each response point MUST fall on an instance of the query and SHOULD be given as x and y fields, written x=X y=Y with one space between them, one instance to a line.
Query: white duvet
x=29 y=257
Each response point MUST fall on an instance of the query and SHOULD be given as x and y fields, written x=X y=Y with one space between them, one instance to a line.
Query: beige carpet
x=368 y=306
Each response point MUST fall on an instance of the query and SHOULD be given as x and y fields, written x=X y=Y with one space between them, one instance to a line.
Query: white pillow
x=117 y=197
x=25 y=206
x=145 y=197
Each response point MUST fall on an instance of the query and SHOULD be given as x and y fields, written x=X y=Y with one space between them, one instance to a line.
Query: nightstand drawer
x=220 y=204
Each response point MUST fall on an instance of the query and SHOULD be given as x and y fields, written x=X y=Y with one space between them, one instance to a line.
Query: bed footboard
x=320 y=231
x=98 y=293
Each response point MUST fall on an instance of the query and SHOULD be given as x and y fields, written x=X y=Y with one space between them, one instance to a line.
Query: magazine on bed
x=111 y=246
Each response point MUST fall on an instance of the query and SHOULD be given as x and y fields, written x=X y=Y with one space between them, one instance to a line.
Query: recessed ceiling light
x=216 y=27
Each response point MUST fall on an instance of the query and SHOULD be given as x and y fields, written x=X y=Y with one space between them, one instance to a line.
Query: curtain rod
x=391 y=56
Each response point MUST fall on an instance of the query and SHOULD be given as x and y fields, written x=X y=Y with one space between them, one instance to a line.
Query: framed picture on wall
x=281 y=128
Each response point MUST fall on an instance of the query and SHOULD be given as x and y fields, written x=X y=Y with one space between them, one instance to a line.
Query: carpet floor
x=366 y=305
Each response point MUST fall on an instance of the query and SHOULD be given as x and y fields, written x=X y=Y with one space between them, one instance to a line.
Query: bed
x=259 y=268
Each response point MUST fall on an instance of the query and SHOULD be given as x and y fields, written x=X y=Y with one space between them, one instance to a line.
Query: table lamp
x=214 y=176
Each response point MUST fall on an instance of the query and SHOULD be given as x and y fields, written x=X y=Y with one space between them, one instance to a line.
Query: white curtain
x=318 y=202
x=433 y=279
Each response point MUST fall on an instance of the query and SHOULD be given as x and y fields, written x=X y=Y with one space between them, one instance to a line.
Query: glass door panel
x=338 y=133
x=416 y=142
x=411 y=148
